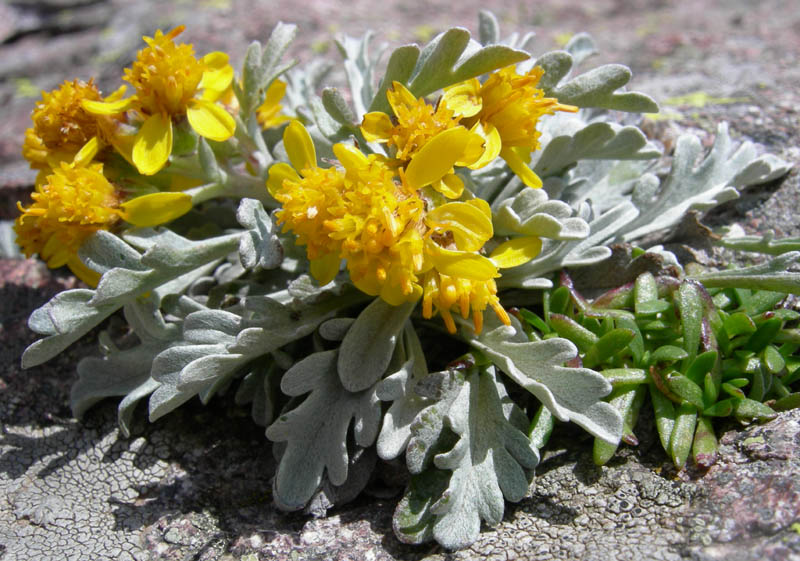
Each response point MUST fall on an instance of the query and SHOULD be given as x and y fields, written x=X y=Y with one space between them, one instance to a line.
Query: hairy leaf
x=316 y=430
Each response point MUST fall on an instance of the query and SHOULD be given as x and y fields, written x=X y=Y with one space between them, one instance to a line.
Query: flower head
x=76 y=200
x=62 y=126
x=413 y=126
x=357 y=212
x=397 y=244
x=171 y=83
x=505 y=110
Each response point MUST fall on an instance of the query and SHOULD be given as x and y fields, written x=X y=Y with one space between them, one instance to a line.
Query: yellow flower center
x=513 y=104
x=361 y=214
x=68 y=207
x=61 y=126
x=166 y=76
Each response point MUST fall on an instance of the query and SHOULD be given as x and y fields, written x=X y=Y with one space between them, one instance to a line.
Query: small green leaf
x=701 y=366
x=791 y=401
x=625 y=376
x=764 y=335
x=687 y=390
x=750 y=410
x=667 y=354
x=607 y=346
x=570 y=329
x=664 y=411
x=689 y=302
x=704 y=448
x=682 y=438
x=720 y=409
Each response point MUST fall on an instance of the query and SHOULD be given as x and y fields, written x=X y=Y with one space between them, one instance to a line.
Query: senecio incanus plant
x=346 y=263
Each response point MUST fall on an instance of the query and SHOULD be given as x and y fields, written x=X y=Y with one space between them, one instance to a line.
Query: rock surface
x=196 y=484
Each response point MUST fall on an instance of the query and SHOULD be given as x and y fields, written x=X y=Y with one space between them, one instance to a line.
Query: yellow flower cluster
x=74 y=125
x=403 y=223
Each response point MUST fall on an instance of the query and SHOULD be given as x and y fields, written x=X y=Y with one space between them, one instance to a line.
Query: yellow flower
x=416 y=123
x=505 y=111
x=75 y=201
x=268 y=113
x=357 y=212
x=373 y=216
x=61 y=125
x=171 y=83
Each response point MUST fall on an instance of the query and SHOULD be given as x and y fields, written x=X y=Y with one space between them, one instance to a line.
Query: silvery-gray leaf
x=398 y=69
x=167 y=256
x=146 y=320
x=598 y=88
x=67 y=317
x=104 y=251
x=571 y=394
x=337 y=107
x=773 y=275
x=335 y=329
x=453 y=57
x=361 y=465
x=556 y=65
x=699 y=186
x=581 y=46
x=429 y=435
x=606 y=183
x=359 y=69
x=558 y=254
x=396 y=429
x=413 y=520
x=256 y=389
x=595 y=141
x=488 y=463
x=316 y=430
x=766 y=243
x=367 y=348
x=269 y=325
x=530 y=213
x=449 y=58
x=121 y=373
x=488 y=28
x=259 y=246
x=208 y=163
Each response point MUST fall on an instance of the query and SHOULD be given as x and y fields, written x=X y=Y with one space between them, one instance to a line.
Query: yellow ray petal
x=462 y=264
x=464 y=98
x=474 y=150
x=434 y=160
x=325 y=268
x=153 y=144
x=516 y=251
x=451 y=186
x=219 y=74
x=299 y=146
x=210 y=120
x=278 y=173
x=87 y=152
x=107 y=107
x=376 y=126
x=155 y=208
x=492 y=143
x=518 y=166
x=399 y=96
x=468 y=223
x=80 y=270
x=350 y=157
